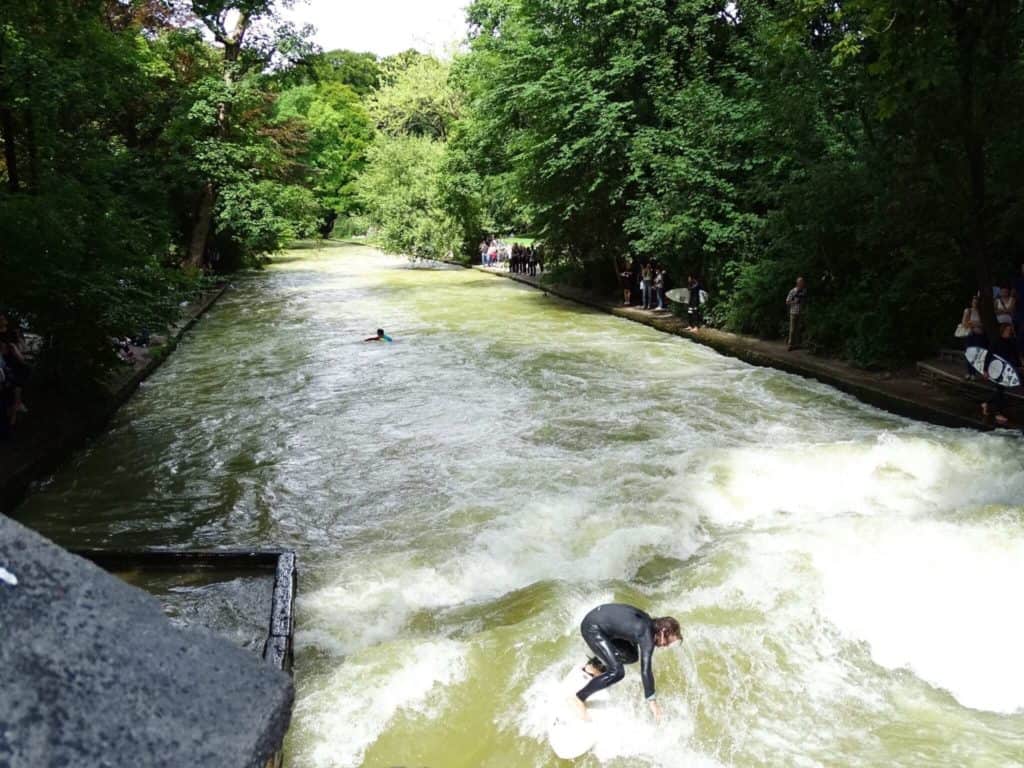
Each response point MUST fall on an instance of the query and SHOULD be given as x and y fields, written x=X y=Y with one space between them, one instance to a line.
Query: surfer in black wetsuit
x=621 y=634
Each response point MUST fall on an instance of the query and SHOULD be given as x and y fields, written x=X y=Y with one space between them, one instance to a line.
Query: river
x=848 y=581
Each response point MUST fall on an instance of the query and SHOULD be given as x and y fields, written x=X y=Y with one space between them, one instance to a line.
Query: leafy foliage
x=336 y=132
x=121 y=124
x=869 y=145
x=403 y=186
x=83 y=216
x=400 y=190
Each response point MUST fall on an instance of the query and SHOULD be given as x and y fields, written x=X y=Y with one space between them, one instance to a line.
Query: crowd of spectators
x=517 y=258
x=647 y=281
x=646 y=284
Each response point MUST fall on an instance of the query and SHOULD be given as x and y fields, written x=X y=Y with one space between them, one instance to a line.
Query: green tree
x=84 y=220
x=403 y=186
x=416 y=98
x=948 y=78
x=250 y=36
x=337 y=131
x=359 y=71
x=400 y=190
x=562 y=87
x=866 y=144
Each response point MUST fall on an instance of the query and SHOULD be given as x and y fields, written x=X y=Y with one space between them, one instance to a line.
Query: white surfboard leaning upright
x=1000 y=371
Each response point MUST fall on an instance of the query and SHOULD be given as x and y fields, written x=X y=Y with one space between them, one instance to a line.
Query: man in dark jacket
x=611 y=631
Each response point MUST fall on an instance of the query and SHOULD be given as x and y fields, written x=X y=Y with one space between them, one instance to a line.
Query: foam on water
x=939 y=599
x=891 y=475
x=623 y=720
x=928 y=595
x=365 y=598
x=353 y=705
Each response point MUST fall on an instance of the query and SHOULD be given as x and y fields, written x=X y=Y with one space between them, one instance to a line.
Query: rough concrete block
x=93 y=674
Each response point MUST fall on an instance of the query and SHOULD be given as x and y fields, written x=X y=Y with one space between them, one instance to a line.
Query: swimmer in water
x=618 y=635
x=381 y=336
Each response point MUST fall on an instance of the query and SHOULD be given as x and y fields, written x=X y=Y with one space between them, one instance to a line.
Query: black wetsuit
x=618 y=634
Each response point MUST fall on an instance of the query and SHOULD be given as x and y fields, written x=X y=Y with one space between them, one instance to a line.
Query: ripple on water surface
x=847 y=580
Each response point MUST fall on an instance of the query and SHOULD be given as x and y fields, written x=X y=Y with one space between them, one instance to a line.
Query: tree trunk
x=33 y=151
x=208 y=196
x=10 y=148
x=201 y=228
x=973 y=246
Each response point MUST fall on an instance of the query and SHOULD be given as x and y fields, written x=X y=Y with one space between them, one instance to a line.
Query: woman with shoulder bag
x=972 y=331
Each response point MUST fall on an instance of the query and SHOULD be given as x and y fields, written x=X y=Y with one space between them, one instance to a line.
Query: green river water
x=848 y=581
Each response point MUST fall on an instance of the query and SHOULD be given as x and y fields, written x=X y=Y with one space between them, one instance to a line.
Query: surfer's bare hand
x=656 y=711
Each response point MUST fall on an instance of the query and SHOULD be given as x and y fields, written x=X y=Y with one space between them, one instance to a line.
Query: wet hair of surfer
x=620 y=634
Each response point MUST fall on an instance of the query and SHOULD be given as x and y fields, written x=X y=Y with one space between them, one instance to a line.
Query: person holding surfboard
x=697 y=297
x=381 y=336
x=1003 y=351
x=620 y=634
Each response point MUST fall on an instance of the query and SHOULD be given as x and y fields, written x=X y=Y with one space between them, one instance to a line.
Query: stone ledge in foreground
x=93 y=674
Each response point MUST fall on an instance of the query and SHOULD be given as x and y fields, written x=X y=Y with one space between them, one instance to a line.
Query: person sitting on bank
x=796 y=300
x=620 y=634
x=381 y=336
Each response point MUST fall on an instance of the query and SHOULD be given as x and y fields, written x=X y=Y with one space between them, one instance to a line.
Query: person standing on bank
x=796 y=300
x=1005 y=347
x=647 y=284
x=693 y=312
x=620 y=634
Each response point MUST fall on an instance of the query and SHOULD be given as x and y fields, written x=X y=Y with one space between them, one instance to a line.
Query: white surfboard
x=1000 y=371
x=678 y=295
x=569 y=734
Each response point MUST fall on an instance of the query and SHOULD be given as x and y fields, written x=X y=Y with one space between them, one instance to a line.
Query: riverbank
x=55 y=429
x=903 y=392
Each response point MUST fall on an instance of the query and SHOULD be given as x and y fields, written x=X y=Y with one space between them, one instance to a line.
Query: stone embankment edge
x=45 y=457
x=737 y=347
